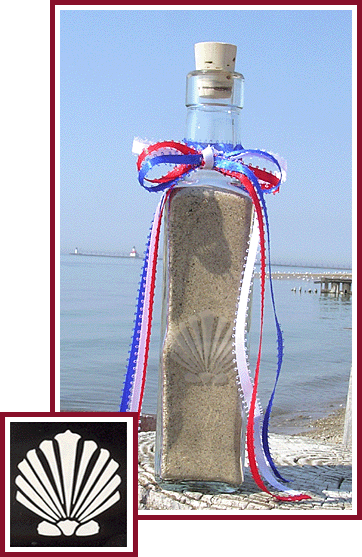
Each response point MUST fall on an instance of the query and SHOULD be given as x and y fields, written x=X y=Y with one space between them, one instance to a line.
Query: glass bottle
x=200 y=433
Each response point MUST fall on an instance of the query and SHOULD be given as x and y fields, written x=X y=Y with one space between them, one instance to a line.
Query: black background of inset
x=25 y=436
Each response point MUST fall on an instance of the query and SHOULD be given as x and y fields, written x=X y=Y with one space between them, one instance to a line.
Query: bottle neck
x=213 y=124
x=214 y=100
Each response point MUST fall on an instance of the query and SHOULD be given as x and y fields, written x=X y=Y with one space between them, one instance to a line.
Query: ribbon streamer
x=256 y=182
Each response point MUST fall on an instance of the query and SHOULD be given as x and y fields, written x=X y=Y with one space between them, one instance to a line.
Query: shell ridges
x=68 y=482
x=202 y=347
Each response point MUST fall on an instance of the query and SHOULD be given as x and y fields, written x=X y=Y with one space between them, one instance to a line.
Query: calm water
x=98 y=297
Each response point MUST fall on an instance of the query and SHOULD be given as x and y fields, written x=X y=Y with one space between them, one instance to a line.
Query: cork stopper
x=215 y=56
x=216 y=63
x=215 y=81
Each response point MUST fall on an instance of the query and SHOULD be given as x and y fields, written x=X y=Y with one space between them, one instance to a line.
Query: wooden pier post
x=346 y=288
x=334 y=287
x=324 y=286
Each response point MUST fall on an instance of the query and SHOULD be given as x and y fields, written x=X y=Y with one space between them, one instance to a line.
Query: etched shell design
x=202 y=347
x=68 y=482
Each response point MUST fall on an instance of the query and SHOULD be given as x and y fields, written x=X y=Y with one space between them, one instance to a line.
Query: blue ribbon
x=130 y=373
x=194 y=160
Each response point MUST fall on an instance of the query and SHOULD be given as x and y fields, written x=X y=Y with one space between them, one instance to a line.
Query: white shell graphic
x=68 y=483
x=202 y=347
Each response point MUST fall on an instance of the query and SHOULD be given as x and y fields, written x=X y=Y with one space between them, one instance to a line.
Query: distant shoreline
x=329 y=428
x=346 y=272
x=306 y=275
x=105 y=255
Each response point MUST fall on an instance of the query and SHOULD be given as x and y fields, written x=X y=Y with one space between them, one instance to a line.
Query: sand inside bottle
x=199 y=418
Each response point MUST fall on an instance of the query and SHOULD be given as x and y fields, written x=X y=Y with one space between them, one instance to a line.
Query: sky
x=123 y=75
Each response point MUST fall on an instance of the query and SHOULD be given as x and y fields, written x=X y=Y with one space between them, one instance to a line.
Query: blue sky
x=122 y=75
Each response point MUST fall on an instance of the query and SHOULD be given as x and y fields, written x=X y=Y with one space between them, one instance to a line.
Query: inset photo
x=71 y=482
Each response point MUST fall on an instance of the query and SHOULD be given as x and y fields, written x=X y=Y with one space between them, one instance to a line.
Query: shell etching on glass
x=202 y=347
x=68 y=482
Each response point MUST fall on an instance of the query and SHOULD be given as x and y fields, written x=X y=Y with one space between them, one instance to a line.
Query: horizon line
x=277 y=262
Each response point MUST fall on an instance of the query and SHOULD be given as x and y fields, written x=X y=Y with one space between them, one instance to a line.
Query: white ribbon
x=242 y=364
x=208 y=155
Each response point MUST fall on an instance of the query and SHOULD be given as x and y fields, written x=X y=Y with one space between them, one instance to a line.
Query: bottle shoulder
x=212 y=179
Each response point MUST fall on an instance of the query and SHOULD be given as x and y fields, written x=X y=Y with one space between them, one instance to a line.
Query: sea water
x=97 y=305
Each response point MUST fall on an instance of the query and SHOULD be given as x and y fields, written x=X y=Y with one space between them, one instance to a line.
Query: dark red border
x=71 y=416
x=52 y=209
x=53 y=253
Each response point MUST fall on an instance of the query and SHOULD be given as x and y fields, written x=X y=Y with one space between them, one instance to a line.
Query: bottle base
x=199 y=486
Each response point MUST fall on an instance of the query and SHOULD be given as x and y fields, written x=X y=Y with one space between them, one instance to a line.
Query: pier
x=335 y=284
x=133 y=254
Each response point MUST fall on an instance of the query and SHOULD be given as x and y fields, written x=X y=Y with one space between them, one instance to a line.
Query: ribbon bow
x=186 y=158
